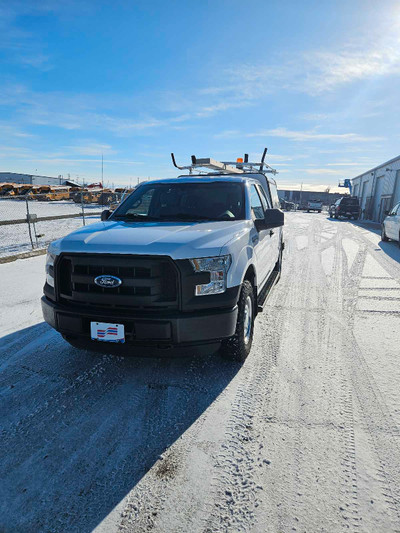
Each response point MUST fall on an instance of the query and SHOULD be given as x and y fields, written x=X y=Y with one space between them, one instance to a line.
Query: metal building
x=301 y=197
x=378 y=189
x=15 y=177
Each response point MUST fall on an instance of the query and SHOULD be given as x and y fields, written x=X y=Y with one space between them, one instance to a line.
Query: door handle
x=255 y=239
x=271 y=232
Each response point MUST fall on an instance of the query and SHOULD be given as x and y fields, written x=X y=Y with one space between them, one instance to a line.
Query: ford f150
x=181 y=265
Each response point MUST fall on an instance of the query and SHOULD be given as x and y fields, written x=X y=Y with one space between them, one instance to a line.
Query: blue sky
x=315 y=81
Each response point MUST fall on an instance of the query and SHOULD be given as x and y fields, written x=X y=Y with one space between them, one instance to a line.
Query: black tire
x=384 y=238
x=238 y=347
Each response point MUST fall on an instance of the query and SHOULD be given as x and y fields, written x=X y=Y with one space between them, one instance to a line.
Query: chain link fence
x=31 y=222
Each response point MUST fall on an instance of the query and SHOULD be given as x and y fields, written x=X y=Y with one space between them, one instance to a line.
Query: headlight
x=218 y=268
x=50 y=269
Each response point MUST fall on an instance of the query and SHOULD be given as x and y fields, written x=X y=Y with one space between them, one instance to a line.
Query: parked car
x=391 y=225
x=181 y=265
x=347 y=207
x=287 y=206
x=314 y=205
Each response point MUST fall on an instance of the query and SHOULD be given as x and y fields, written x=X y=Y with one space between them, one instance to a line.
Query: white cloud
x=92 y=149
x=358 y=164
x=314 y=72
x=313 y=136
x=319 y=171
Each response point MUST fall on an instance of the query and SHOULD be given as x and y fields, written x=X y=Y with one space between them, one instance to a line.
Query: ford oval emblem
x=108 y=282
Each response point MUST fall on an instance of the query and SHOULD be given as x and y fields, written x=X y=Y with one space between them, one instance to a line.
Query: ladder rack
x=227 y=167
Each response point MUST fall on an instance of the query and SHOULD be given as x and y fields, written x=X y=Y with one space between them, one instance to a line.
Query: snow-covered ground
x=16 y=209
x=305 y=436
x=15 y=238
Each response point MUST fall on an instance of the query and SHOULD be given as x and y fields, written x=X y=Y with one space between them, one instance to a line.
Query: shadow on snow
x=391 y=248
x=80 y=430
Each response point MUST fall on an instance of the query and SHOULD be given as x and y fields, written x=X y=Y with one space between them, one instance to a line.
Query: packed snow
x=15 y=238
x=304 y=436
x=16 y=209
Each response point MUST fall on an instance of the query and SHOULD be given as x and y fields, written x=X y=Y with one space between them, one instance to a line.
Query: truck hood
x=177 y=240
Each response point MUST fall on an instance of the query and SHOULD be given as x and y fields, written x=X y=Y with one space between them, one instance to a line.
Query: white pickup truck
x=182 y=265
x=314 y=205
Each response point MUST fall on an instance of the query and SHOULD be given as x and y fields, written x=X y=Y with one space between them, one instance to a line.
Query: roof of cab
x=207 y=178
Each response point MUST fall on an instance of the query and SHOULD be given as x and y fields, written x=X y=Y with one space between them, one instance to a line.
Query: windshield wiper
x=186 y=216
x=135 y=217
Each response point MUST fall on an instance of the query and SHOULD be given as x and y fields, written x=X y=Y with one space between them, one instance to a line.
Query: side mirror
x=274 y=218
x=105 y=215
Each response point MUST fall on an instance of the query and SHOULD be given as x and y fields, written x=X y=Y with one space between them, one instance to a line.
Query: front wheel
x=384 y=237
x=238 y=347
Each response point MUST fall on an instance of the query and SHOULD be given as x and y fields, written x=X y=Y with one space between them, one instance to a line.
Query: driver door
x=263 y=247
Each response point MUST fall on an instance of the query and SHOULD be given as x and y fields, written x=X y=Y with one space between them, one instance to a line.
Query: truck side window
x=265 y=202
x=274 y=195
x=257 y=210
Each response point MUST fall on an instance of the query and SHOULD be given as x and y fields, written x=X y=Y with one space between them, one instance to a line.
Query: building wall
x=378 y=189
x=304 y=196
x=14 y=177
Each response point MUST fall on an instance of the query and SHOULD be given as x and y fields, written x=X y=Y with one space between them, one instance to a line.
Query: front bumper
x=143 y=329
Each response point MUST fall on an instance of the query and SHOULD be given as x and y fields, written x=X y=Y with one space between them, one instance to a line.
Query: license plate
x=106 y=332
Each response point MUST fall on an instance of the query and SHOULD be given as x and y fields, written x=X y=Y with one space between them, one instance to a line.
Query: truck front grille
x=147 y=282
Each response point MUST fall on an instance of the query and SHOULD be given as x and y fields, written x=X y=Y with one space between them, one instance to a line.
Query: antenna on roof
x=174 y=162
x=263 y=158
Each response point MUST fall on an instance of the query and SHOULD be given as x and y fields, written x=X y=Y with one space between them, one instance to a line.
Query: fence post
x=83 y=211
x=29 y=222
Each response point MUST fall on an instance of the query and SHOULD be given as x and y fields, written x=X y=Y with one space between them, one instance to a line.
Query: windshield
x=190 y=202
x=350 y=201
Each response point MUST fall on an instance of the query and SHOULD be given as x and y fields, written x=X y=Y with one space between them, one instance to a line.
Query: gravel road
x=305 y=436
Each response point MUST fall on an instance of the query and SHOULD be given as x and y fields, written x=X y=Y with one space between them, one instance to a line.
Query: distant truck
x=314 y=205
x=346 y=207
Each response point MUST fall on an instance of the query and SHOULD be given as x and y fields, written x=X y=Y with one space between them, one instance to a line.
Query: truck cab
x=182 y=265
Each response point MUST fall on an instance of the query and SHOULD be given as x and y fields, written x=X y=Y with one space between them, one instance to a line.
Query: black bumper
x=143 y=329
